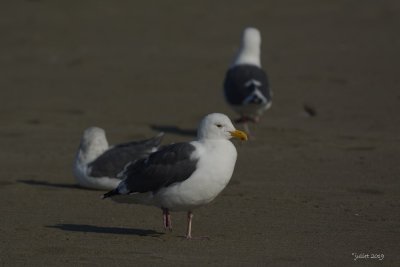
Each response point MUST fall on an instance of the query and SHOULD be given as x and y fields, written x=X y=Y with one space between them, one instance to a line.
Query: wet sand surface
x=308 y=191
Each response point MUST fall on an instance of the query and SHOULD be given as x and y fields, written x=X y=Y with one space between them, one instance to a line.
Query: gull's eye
x=219 y=125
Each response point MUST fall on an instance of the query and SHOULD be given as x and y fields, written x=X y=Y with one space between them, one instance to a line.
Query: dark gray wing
x=111 y=162
x=171 y=164
x=242 y=80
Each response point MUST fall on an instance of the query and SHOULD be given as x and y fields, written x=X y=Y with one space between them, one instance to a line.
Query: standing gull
x=183 y=176
x=97 y=164
x=246 y=85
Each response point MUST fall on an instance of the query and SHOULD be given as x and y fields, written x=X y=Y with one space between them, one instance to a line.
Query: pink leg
x=189 y=225
x=167 y=219
x=189 y=228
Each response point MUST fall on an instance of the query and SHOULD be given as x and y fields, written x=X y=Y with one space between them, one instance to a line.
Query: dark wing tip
x=158 y=138
x=110 y=194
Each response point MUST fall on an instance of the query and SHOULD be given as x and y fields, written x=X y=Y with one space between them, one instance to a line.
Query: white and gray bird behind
x=183 y=176
x=246 y=85
x=97 y=164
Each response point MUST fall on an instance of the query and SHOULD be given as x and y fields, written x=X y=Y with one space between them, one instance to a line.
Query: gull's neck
x=90 y=151
x=211 y=142
x=249 y=54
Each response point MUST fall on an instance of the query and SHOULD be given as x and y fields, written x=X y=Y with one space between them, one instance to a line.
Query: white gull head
x=250 y=48
x=93 y=143
x=217 y=126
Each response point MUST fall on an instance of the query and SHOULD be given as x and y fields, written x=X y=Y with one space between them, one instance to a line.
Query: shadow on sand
x=174 y=130
x=105 y=230
x=44 y=183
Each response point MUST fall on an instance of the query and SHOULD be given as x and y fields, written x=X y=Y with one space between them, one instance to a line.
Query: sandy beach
x=308 y=191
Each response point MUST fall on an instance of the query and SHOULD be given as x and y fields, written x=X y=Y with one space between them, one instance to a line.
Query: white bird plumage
x=250 y=48
x=93 y=144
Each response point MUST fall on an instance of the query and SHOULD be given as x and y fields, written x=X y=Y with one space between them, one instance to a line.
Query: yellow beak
x=239 y=134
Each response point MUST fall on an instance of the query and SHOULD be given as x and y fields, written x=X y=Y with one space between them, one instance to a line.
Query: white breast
x=214 y=170
x=86 y=155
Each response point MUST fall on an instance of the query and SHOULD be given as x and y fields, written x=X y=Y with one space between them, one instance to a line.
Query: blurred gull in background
x=246 y=85
x=97 y=164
